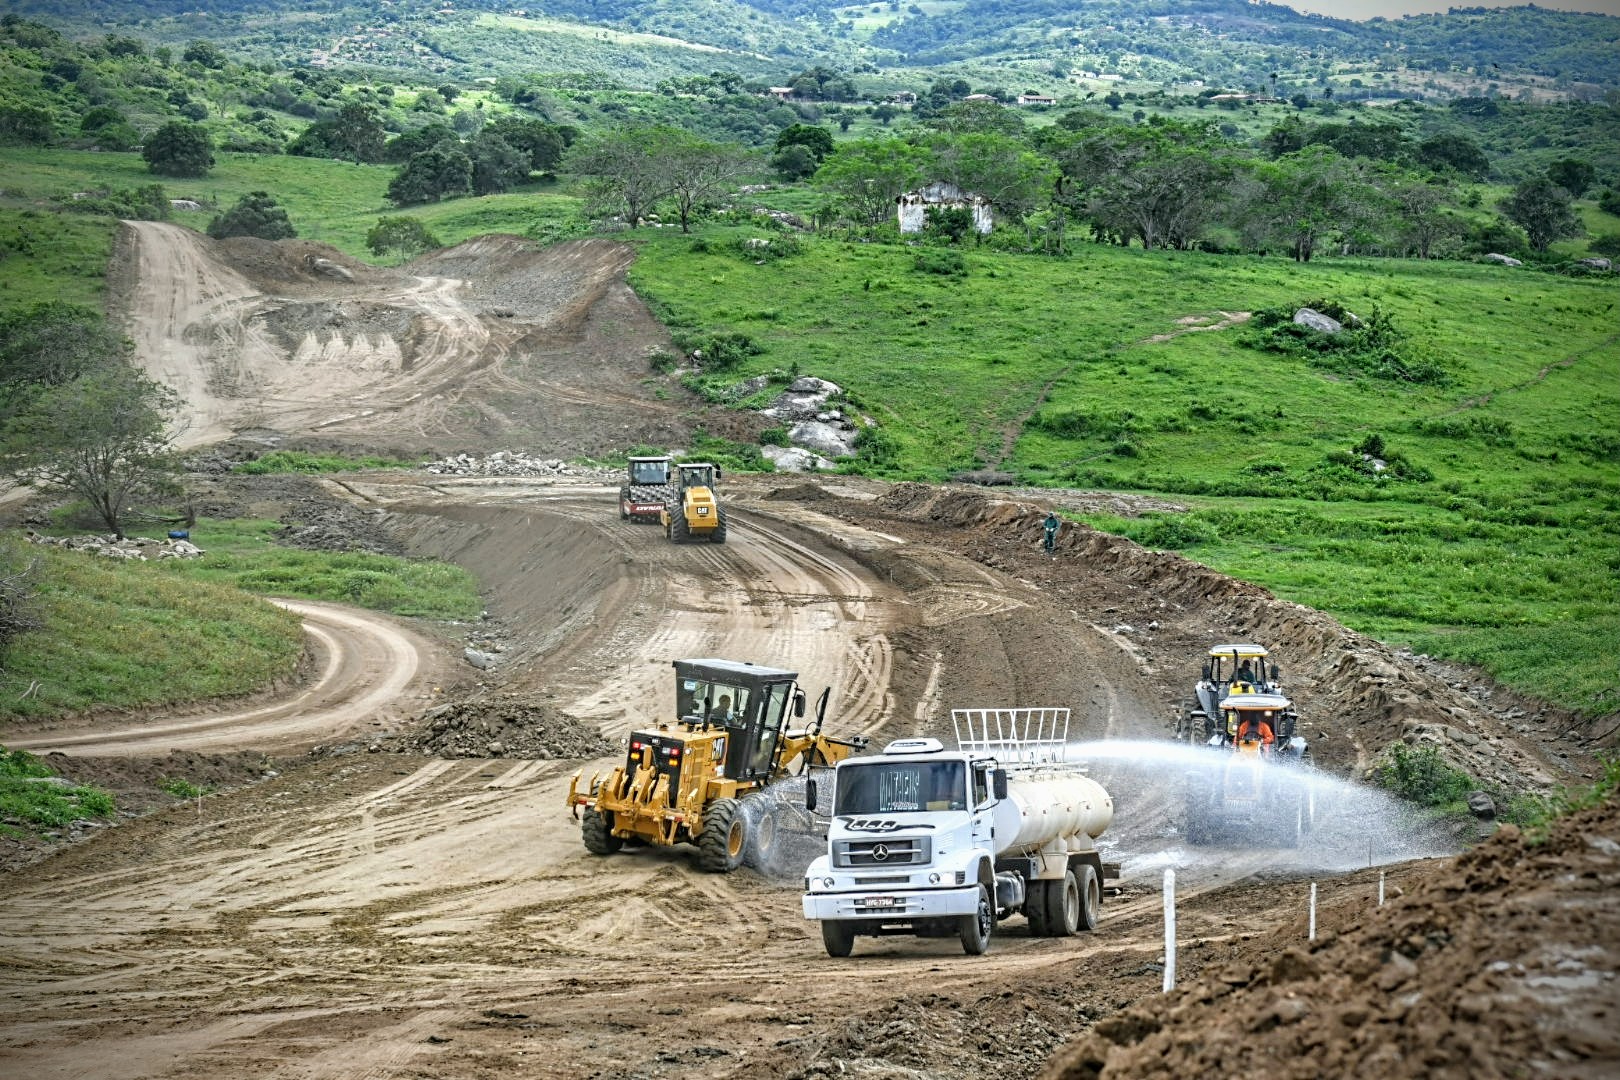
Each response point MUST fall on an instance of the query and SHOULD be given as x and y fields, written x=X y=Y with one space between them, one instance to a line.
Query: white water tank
x=1045 y=807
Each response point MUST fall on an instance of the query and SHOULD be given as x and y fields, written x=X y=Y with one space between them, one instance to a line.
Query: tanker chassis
x=946 y=843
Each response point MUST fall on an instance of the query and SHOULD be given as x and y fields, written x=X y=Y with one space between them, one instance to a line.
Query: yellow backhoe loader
x=694 y=780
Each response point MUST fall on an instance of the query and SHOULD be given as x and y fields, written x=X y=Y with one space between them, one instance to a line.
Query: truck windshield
x=894 y=787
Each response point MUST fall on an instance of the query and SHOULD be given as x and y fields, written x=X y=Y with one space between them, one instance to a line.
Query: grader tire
x=724 y=837
x=679 y=531
x=597 y=831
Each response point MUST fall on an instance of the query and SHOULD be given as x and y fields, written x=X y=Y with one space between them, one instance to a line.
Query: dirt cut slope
x=497 y=340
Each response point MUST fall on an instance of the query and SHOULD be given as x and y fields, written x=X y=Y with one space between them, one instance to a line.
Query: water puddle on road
x=1350 y=825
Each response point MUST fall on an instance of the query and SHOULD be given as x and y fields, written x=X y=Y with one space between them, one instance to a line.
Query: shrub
x=1172 y=532
x=1374 y=347
x=722 y=352
x=1423 y=776
x=940 y=261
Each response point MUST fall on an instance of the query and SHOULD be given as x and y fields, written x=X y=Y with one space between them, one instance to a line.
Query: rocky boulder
x=804 y=398
x=1315 y=320
x=827 y=438
x=796 y=459
x=1505 y=260
x=1596 y=263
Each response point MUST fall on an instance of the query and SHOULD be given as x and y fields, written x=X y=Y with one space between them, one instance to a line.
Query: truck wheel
x=678 y=529
x=1090 y=889
x=838 y=936
x=719 y=534
x=597 y=831
x=975 y=929
x=1063 y=906
x=724 y=836
x=1035 y=907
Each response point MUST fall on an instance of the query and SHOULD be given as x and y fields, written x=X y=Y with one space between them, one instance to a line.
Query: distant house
x=903 y=97
x=1036 y=99
x=980 y=97
x=913 y=206
x=781 y=93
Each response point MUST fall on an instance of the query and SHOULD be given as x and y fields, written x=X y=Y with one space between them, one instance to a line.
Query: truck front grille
x=882 y=854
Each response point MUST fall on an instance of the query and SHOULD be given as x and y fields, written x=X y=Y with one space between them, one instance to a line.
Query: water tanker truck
x=933 y=842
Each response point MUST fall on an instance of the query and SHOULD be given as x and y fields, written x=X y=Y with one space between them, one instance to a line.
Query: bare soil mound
x=507 y=726
x=497 y=340
x=1501 y=964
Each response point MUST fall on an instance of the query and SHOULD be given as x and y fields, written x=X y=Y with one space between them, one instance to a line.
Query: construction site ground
x=388 y=882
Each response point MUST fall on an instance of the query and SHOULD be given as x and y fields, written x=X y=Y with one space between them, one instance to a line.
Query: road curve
x=368 y=664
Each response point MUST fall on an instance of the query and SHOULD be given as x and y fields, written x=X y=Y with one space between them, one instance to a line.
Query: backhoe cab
x=699 y=779
x=692 y=511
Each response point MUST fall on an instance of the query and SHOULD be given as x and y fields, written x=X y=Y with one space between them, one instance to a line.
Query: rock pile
x=818 y=426
x=131 y=547
x=510 y=463
x=508 y=726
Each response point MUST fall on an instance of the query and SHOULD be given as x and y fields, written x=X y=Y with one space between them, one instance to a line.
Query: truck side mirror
x=998 y=783
x=810 y=793
x=717 y=474
x=798 y=703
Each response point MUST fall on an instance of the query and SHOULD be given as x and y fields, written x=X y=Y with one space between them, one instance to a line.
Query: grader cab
x=693 y=511
x=1228 y=669
x=700 y=779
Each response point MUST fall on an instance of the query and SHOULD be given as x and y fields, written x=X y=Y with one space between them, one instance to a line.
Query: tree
x=26 y=125
x=410 y=143
x=817 y=140
x=442 y=172
x=1573 y=175
x=404 y=235
x=205 y=53
x=102 y=436
x=1306 y=197
x=1160 y=183
x=794 y=162
x=1543 y=210
x=1000 y=168
x=982 y=117
x=49 y=344
x=625 y=170
x=1457 y=153
x=700 y=172
x=496 y=165
x=179 y=149
x=867 y=176
x=1420 y=209
x=255 y=214
x=544 y=143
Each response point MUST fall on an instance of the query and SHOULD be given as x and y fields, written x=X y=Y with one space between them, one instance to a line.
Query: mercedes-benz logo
x=880 y=852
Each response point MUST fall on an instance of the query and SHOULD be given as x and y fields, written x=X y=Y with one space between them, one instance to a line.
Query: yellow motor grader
x=692 y=510
x=694 y=780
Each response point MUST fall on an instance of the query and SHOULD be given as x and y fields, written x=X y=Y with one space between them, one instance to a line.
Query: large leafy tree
x=179 y=149
x=866 y=176
x=1573 y=175
x=543 y=143
x=1543 y=210
x=1420 y=209
x=1161 y=184
x=497 y=165
x=440 y=173
x=47 y=345
x=1305 y=198
x=102 y=436
x=255 y=214
x=998 y=167
x=817 y=140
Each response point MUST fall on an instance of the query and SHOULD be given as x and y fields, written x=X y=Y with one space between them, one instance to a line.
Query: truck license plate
x=880 y=902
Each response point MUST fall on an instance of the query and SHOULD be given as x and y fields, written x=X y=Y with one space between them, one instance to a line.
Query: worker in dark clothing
x=1051 y=527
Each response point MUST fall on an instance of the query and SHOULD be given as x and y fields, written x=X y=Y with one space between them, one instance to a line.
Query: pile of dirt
x=507 y=726
x=1501 y=964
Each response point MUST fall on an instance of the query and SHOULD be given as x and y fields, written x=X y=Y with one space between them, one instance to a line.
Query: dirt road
x=380 y=914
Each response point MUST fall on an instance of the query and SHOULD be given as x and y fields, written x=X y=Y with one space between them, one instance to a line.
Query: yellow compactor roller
x=693 y=512
x=689 y=781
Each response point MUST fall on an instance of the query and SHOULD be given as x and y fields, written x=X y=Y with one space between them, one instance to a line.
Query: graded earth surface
x=388 y=883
